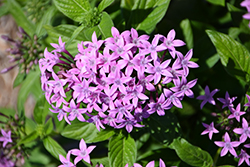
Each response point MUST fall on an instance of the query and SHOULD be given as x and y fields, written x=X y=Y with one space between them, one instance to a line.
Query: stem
x=217 y=156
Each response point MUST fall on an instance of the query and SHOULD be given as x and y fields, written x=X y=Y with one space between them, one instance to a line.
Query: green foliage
x=163 y=128
x=122 y=151
x=86 y=131
x=77 y=10
x=104 y=4
x=20 y=18
x=217 y=2
x=29 y=138
x=190 y=154
x=53 y=147
x=234 y=56
x=31 y=85
x=41 y=110
x=19 y=79
x=143 y=15
x=188 y=33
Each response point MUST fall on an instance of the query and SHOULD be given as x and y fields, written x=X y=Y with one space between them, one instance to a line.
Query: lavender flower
x=210 y=130
x=236 y=113
x=227 y=146
x=66 y=161
x=243 y=157
x=6 y=138
x=208 y=97
x=244 y=131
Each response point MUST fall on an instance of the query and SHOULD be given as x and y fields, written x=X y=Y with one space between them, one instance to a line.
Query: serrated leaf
x=217 y=2
x=19 y=79
x=53 y=147
x=163 y=128
x=234 y=56
x=74 y=9
x=103 y=29
x=187 y=32
x=190 y=154
x=20 y=18
x=104 y=4
x=143 y=15
x=29 y=138
x=122 y=151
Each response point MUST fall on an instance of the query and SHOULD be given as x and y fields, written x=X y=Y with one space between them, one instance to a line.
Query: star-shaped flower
x=236 y=113
x=83 y=153
x=244 y=131
x=210 y=130
x=227 y=146
x=66 y=161
x=208 y=97
x=6 y=137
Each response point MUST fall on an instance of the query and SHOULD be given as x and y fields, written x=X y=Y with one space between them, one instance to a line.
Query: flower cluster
x=24 y=52
x=246 y=3
x=232 y=122
x=10 y=154
x=117 y=81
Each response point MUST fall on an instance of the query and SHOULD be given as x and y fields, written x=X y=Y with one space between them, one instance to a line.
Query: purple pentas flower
x=57 y=84
x=74 y=111
x=170 y=43
x=243 y=157
x=159 y=69
x=208 y=97
x=128 y=123
x=83 y=152
x=95 y=44
x=135 y=94
x=248 y=103
x=172 y=98
x=227 y=146
x=209 y=130
x=159 y=106
x=6 y=138
x=236 y=113
x=66 y=161
x=244 y=131
x=185 y=61
x=61 y=114
x=227 y=102
x=183 y=87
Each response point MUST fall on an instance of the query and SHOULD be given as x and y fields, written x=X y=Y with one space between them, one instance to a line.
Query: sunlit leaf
x=74 y=9
x=192 y=155
x=122 y=151
x=104 y=4
x=187 y=32
x=53 y=147
x=143 y=15
x=217 y=2
x=234 y=56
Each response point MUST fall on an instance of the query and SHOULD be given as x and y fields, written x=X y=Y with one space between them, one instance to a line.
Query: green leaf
x=48 y=127
x=103 y=29
x=187 y=32
x=143 y=15
x=19 y=79
x=190 y=154
x=20 y=18
x=217 y=2
x=104 y=4
x=46 y=20
x=80 y=130
x=86 y=131
x=29 y=138
x=31 y=85
x=122 y=150
x=40 y=111
x=164 y=128
x=104 y=161
x=233 y=55
x=4 y=9
x=53 y=147
x=30 y=125
x=75 y=34
x=74 y=9
x=104 y=134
